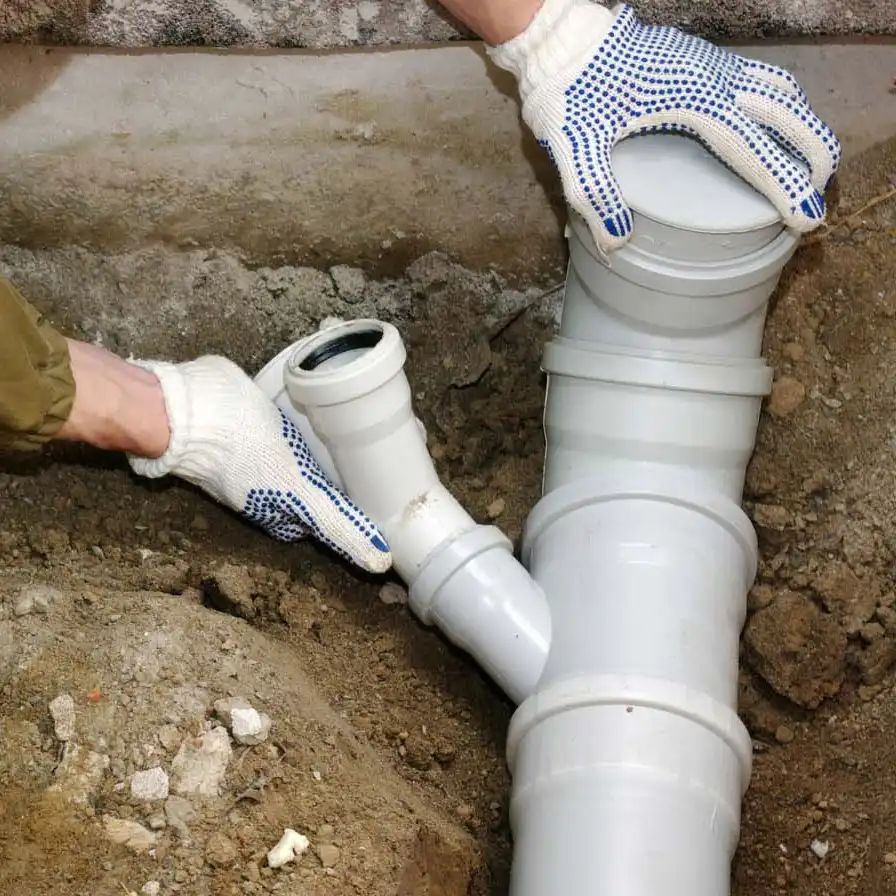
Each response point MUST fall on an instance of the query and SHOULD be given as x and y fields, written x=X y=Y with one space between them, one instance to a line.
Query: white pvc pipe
x=348 y=381
x=629 y=762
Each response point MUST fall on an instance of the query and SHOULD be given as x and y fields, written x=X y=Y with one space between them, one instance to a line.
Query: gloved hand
x=590 y=76
x=228 y=438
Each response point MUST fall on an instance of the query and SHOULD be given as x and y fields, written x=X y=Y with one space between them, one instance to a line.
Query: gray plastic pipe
x=345 y=389
x=629 y=762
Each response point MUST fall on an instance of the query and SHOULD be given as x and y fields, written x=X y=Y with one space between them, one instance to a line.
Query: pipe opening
x=355 y=343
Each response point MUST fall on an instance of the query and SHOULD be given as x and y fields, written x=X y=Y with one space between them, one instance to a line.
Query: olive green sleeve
x=37 y=389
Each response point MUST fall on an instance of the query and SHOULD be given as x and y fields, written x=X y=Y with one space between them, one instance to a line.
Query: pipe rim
x=689 y=279
x=310 y=386
x=447 y=560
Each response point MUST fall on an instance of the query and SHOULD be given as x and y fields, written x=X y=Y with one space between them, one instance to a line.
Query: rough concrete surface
x=343 y=23
x=370 y=158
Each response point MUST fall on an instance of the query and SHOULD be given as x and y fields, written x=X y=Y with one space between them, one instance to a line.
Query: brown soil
x=388 y=743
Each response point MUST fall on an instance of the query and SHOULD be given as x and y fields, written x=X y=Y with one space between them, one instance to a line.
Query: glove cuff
x=562 y=32
x=198 y=395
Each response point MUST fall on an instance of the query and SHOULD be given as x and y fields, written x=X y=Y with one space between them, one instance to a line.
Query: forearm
x=495 y=21
x=118 y=406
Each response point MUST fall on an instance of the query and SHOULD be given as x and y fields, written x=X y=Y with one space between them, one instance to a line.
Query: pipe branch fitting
x=348 y=382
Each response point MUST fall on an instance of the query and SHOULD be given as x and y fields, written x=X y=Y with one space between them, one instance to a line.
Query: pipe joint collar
x=582 y=692
x=446 y=561
x=671 y=488
x=694 y=279
x=657 y=369
x=344 y=362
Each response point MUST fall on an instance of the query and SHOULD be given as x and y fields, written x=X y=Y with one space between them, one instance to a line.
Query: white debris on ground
x=151 y=888
x=79 y=775
x=201 y=763
x=150 y=785
x=292 y=846
x=62 y=710
x=820 y=848
x=392 y=593
x=129 y=833
x=35 y=599
x=247 y=725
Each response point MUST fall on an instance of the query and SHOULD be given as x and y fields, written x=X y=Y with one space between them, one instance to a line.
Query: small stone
x=784 y=735
x=325 y=833
x=62 y=709
x=250 y=727
x=157 y=822
x=328 y=854
x=876 y=660
x=392 y=593
x=24 y=606
x=199 y=523
x=221 y=852
x=201 y=763
x=820 y=848
x=224 y=708
x=759 y=597
x=350 y=282
x=771 y=516
x=169 y=737
x=797 y=649
x=464 y=811
x=495 y=509
x=150 y=785
x=793 y=351
x=129 y=833
x=35 y=599
x=786 y=396
x=292 y=846
x=890 y=858
x=151 y=888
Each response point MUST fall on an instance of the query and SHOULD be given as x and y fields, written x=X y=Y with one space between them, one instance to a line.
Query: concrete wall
x=346 y=23
x=368 y=158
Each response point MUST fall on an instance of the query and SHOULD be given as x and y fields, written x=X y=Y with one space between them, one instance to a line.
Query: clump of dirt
x=146 y=604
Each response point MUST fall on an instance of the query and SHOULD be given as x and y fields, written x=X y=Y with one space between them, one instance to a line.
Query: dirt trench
x=146 y=604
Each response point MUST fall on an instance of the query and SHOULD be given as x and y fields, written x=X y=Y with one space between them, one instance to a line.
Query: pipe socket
x=348 y=382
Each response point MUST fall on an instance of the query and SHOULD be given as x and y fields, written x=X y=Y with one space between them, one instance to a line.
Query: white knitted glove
x=589 y=77
x=228 y=438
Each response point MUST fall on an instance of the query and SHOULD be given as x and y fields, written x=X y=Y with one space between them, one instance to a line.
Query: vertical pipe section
x=629 y=762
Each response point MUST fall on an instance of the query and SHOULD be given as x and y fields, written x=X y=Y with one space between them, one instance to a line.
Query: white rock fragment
x=201 y=763
x=151 y=888
x=224 y=708
x=820 y=848
x=150 y=785
x=129 y=833
x=62 y=709
x=392 y=593
x=79 y=774
x=250 y=727
x=34 y=599
x=291 y=846
x=246 y=724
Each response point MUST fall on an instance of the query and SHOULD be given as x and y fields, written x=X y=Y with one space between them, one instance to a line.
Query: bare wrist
x=118 y=406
